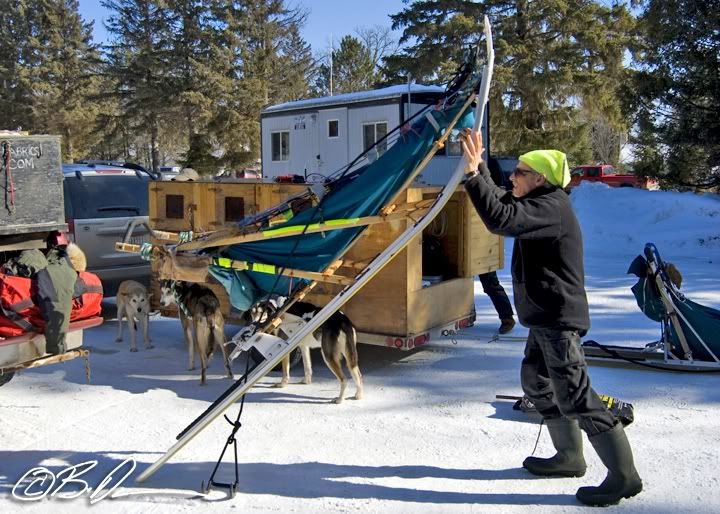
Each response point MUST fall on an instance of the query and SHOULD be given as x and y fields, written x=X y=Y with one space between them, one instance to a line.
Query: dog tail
x=350 y=342
x=77 y=257
x=217 y=332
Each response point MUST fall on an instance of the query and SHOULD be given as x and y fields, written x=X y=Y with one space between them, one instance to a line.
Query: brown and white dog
x=202 y=321
x=133 y=304
x=337 y=339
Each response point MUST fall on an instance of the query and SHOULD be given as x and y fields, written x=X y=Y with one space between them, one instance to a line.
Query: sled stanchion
x=232 y=439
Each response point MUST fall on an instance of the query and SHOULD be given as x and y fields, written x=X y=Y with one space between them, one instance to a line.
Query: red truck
x=607 y=174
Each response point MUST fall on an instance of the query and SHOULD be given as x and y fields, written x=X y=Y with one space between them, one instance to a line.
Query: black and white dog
x=337 y=339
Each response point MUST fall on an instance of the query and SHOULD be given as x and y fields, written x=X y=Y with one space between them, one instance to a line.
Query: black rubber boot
x=568 y=461
x=622 y=480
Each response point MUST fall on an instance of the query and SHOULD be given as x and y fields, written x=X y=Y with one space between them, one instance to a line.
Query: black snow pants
x=492 y=287
x=554 y=376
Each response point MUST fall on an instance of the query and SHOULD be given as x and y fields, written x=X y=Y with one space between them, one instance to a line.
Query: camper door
x=333 y=139
x=303 y=156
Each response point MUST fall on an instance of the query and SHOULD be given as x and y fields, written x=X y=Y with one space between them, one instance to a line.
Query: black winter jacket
x=547 y=262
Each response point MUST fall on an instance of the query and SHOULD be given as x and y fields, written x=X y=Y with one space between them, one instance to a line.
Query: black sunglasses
x=521 y=172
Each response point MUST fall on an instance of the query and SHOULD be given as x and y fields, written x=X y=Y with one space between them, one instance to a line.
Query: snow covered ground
x=429 y=436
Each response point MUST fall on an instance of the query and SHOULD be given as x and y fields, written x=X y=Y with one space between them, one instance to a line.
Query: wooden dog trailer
x=399 y=307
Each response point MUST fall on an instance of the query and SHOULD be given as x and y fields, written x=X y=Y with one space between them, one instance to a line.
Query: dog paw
x=149 y=347
x=118 y=340
x=358 y=396
x=338 y=400
x=133 y=349
x=281 y=384
x=306 y=381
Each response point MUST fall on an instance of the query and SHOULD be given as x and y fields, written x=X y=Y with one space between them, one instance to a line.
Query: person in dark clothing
x=490 y=283
x=549 y=290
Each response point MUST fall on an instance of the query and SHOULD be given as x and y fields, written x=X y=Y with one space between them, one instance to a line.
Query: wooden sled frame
x=277 y=353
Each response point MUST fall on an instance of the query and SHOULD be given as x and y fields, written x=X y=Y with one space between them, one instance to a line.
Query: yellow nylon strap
x=314 y=226
x=261 y=268
x=223 y=262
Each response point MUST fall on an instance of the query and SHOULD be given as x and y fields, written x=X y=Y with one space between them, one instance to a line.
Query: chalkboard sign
x=31 y=184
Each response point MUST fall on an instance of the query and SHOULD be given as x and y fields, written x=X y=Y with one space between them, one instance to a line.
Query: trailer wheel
x=295 y=359
x=5 y=378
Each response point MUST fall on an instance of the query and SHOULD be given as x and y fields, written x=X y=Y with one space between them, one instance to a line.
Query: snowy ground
x=430 y=435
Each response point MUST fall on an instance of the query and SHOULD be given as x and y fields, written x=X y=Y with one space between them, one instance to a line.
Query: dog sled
x=689 y=331
x=289 y=249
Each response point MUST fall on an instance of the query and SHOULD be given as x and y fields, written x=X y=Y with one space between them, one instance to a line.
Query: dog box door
x=173 y=206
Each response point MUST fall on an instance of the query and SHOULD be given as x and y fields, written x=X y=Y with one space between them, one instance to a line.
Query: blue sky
x=326 y=17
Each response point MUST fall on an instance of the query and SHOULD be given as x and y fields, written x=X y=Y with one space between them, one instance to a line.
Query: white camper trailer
x=321 y=135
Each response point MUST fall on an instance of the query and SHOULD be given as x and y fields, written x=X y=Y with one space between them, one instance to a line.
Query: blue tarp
x=361 y=194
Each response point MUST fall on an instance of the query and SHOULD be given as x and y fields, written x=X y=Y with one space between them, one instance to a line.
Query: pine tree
x=193 y=72
x=64 y=79
x=139 y=61
x=555 y=61
x=266 y=62
x=353 y=69
x=678 y=108
x=15 y=58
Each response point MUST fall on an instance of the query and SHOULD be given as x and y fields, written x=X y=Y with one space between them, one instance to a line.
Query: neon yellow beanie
x=552 y=164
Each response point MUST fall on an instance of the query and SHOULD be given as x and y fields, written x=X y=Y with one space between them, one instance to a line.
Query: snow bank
x=619 y=221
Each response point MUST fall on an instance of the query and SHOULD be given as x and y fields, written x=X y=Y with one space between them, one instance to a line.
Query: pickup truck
x=607 y=174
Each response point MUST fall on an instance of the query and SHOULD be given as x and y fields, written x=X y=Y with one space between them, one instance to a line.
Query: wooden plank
x=225 y=238
x=51 y=359
x=437 y=304
x=483 y=251
x=14 y=243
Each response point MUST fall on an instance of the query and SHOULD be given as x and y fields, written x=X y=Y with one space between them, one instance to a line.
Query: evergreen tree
x=193 y=76
x=266 y=62
x=678 y=108
x=16 y=25
x=64 y=79
x=555 y=61
x=353 y=69
x=139 y=60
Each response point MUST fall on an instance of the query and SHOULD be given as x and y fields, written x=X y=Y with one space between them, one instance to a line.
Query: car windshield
x=106 y=196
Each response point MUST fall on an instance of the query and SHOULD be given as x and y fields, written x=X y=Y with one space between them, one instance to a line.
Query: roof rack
x=120 y=164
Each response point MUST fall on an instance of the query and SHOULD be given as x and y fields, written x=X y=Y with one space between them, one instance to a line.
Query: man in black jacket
x=549 y=290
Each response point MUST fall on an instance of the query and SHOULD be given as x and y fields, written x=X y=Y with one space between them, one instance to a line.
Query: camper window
x=372 y=133
x=280 y=143
x=333 y=128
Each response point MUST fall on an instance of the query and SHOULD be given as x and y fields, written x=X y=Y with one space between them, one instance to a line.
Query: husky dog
x=337 y=340
x=202 y=322
x=133 y=303
x=77 y=257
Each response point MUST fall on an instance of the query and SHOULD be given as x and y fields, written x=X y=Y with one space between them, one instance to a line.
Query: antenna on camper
x=332 y=51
